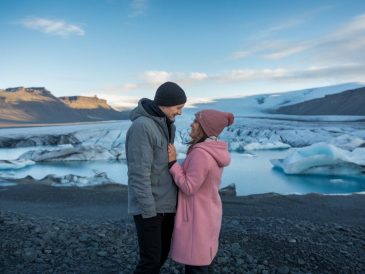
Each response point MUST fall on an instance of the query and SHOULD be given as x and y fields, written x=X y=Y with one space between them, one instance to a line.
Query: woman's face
x=196 y=131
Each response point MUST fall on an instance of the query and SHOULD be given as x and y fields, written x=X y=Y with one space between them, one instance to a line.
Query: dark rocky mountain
x=38 y=105
x=350 y=102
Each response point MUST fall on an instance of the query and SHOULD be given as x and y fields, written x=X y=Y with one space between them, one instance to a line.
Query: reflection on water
x=252 y=175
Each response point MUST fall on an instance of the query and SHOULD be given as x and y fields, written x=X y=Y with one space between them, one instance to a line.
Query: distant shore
x=69 y=229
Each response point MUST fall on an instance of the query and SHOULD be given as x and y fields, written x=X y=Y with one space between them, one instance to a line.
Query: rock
x=229 y=190
x=97 y=247
x=102 y=253
x=249 y=259
x=84 y=237
x=223 y=260
x=283 y=270
x=235 y=247
x=29 y=255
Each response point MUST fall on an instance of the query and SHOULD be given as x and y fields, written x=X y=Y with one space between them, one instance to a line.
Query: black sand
x=45 y=229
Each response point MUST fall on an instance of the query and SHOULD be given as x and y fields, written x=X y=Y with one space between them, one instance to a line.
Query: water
x=252 y=175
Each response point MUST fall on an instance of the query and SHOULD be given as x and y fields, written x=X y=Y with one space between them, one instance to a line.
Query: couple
x=157 y=183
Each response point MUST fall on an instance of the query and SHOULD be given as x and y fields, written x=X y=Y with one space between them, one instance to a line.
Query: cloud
x=354 y=27
x=198 y=76
x=156 y=77
x=117 y=101
x=346 y=43
x=345 y=72
x=129 y=86
x=290 y=23
x=286 y=52
x=159 y=77
x=137 y=8
x=241 y=54
x=250 y=74
x=52 y=27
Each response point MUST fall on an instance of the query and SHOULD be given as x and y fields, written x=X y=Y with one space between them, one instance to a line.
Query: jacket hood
x=217 y=149
x=141 y=111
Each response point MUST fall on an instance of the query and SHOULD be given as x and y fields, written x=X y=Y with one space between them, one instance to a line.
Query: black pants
x=154 y=239
x=204 y=269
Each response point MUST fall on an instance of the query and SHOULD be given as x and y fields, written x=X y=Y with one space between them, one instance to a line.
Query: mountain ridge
x=39 y=105
x=349 y=102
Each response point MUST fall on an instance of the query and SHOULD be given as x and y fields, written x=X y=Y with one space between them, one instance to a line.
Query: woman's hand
x=171 y=153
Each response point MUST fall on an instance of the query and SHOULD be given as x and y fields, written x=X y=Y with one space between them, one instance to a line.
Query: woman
x=199 y=212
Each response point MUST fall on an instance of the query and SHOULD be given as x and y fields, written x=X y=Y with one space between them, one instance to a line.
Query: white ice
x=322 y=158
x=15 y=164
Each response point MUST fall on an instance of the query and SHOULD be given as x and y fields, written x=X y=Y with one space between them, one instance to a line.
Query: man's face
x=173 y=111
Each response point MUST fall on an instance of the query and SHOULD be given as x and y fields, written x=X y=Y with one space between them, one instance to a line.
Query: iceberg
x=347 y=142
x=266 y=146
x=76 y=180
x=81 y=153
x=324 y=159
x=15 y=164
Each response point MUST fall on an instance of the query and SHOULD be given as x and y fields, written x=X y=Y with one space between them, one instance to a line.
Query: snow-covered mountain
x=350 y=102
x=265 y=105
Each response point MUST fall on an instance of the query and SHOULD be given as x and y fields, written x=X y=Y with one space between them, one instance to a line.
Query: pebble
x=247 y=245
x=283 y=270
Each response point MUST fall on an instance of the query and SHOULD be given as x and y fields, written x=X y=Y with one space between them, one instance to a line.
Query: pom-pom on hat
x=213 y=121
x=170 y=94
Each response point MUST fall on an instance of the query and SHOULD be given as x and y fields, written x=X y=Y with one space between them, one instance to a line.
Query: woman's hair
x=201 y=137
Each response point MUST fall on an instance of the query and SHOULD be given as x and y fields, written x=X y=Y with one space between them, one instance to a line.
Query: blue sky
x=122 y=50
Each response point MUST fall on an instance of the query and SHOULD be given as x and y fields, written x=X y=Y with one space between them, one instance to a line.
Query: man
x=151 y=190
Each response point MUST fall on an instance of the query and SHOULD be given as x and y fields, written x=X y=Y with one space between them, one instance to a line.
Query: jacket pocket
x=160 y=156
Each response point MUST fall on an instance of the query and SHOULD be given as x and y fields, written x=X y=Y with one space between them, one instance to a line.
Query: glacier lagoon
x=252 y=174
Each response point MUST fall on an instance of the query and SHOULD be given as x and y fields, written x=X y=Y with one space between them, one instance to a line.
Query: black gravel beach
x=46 y=229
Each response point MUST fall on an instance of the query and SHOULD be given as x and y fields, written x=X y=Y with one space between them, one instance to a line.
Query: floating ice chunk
x=248 y=155
x=266 y=146
x=358 y=156
x=337 y=181
x=81 y=153
x=324 y=159
x=347 y=142
x=76 y=180
x=15 y=164
x=236 y=146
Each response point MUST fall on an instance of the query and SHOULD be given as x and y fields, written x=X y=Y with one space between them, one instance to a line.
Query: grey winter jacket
x=151 y=189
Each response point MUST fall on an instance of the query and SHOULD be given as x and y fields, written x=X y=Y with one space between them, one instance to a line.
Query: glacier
x=327 y=145
x=15 y=164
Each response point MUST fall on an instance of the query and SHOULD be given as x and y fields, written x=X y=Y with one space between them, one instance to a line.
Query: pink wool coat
x=199 y=211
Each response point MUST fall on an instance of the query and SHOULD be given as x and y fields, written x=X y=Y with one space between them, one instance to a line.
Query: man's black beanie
x=170 y=94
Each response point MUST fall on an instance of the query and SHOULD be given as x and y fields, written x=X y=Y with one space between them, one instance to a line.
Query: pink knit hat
x=213 y=121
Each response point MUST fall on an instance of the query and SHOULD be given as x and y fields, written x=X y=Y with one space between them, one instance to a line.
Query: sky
x=122 y=50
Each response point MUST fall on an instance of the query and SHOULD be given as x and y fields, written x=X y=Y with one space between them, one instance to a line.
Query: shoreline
x=110 y=201
x=48 y=229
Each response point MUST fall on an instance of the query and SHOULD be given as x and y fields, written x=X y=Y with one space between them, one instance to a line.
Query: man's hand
x=172 y=153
